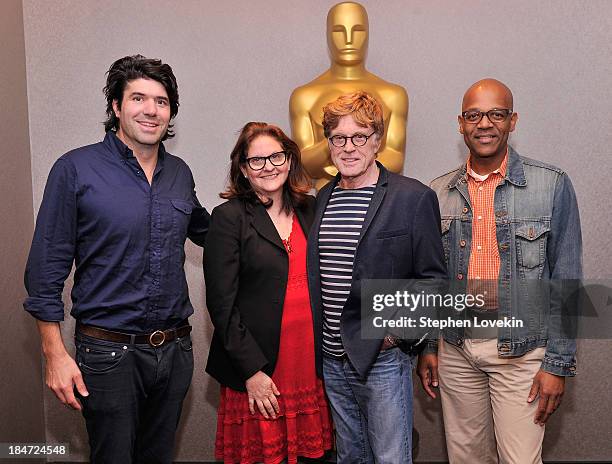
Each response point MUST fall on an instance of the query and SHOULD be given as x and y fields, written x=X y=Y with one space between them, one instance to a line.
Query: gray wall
x=20 y=364
x=238 y=61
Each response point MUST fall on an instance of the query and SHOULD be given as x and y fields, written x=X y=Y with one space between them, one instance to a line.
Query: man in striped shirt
x=369 y=224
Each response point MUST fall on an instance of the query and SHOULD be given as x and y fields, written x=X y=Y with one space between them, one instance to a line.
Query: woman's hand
x=263 y=392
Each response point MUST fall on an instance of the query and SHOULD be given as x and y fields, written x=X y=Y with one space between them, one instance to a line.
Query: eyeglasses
x=257 y=163
x=358 y=140
x=496 y=115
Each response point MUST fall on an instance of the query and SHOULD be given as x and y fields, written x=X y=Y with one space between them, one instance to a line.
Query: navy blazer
x=246 y=267
x=400 y=239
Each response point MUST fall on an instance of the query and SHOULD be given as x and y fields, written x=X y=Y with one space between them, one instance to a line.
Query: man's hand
x=61 y=372
x=263 y=392
x=62 y=375
x=550 y=388
x=427 y=368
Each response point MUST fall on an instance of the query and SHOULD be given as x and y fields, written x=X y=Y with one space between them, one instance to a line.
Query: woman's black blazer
x=246 y=268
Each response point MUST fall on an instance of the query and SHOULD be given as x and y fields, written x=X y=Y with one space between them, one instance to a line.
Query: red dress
x=303 y=426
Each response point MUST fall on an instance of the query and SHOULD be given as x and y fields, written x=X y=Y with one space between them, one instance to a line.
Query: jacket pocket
x=393 y=233
x=531 y=240
x=395 y=245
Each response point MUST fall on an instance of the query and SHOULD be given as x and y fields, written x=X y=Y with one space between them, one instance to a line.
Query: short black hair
x=134 y=67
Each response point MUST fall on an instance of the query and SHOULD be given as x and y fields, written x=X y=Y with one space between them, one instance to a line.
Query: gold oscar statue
x=347 y=39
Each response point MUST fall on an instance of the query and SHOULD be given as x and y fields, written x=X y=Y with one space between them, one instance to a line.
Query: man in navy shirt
x=120 y=210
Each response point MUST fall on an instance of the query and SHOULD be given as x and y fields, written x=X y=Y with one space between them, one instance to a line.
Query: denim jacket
x=539 y=239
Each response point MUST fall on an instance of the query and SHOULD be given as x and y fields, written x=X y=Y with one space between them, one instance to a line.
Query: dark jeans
x=135 y=398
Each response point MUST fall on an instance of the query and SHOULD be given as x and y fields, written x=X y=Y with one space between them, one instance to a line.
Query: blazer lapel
x=322 y=199
x=314 y=278
x=377 y=198
x=264 y=226
x=313 y=237
x=305 y=217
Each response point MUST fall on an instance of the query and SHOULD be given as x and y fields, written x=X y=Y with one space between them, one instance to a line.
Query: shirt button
x=459 y=276
x=480 y=189
x=462 y=243
x=479 y=218
x=477 y=277
x=478 y=247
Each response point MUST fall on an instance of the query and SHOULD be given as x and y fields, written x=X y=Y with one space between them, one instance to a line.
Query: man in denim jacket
x=514 y=222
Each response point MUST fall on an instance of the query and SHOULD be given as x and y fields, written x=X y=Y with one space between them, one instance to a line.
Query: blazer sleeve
x=222 y=276
x=428 y=254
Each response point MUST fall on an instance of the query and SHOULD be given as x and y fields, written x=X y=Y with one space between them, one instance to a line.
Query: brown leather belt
x=157 y=338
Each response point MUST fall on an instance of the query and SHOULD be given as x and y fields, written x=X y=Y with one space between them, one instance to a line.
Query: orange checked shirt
x=484 y=260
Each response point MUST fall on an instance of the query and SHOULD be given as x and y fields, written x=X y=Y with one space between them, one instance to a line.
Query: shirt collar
x=501 y=170
x=117 y=146
x=515 y=172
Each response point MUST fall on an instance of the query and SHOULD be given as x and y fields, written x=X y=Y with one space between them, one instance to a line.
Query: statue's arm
x=315 y=155
x=392 y=156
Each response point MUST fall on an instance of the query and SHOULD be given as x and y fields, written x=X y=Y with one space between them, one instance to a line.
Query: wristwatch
x=389 y=342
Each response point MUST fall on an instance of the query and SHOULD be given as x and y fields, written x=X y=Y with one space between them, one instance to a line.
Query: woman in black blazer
x=272 y=404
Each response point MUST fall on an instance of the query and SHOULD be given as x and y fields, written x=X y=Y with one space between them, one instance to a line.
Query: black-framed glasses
x=257 y=163
x=496 y=115
x=359 y=140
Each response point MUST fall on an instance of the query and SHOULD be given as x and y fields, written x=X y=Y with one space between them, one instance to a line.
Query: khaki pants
x=484 y=404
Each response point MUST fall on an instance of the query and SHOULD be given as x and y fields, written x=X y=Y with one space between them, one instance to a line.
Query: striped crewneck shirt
x=341 y=226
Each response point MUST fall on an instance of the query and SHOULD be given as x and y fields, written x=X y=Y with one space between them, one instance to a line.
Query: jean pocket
x=388 y=355
x=100 y=359
x=531 y=240
x=184 y=353
x=185 y=343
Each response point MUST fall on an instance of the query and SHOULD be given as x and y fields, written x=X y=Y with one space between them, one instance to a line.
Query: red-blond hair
x=365 y=110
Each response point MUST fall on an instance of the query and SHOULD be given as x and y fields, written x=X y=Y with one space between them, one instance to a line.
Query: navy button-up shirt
x=125 y=237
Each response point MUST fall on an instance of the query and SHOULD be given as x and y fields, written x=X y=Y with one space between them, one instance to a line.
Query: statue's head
x=347 y=33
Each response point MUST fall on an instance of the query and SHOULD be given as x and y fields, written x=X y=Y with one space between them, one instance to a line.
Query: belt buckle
x=157 y=333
